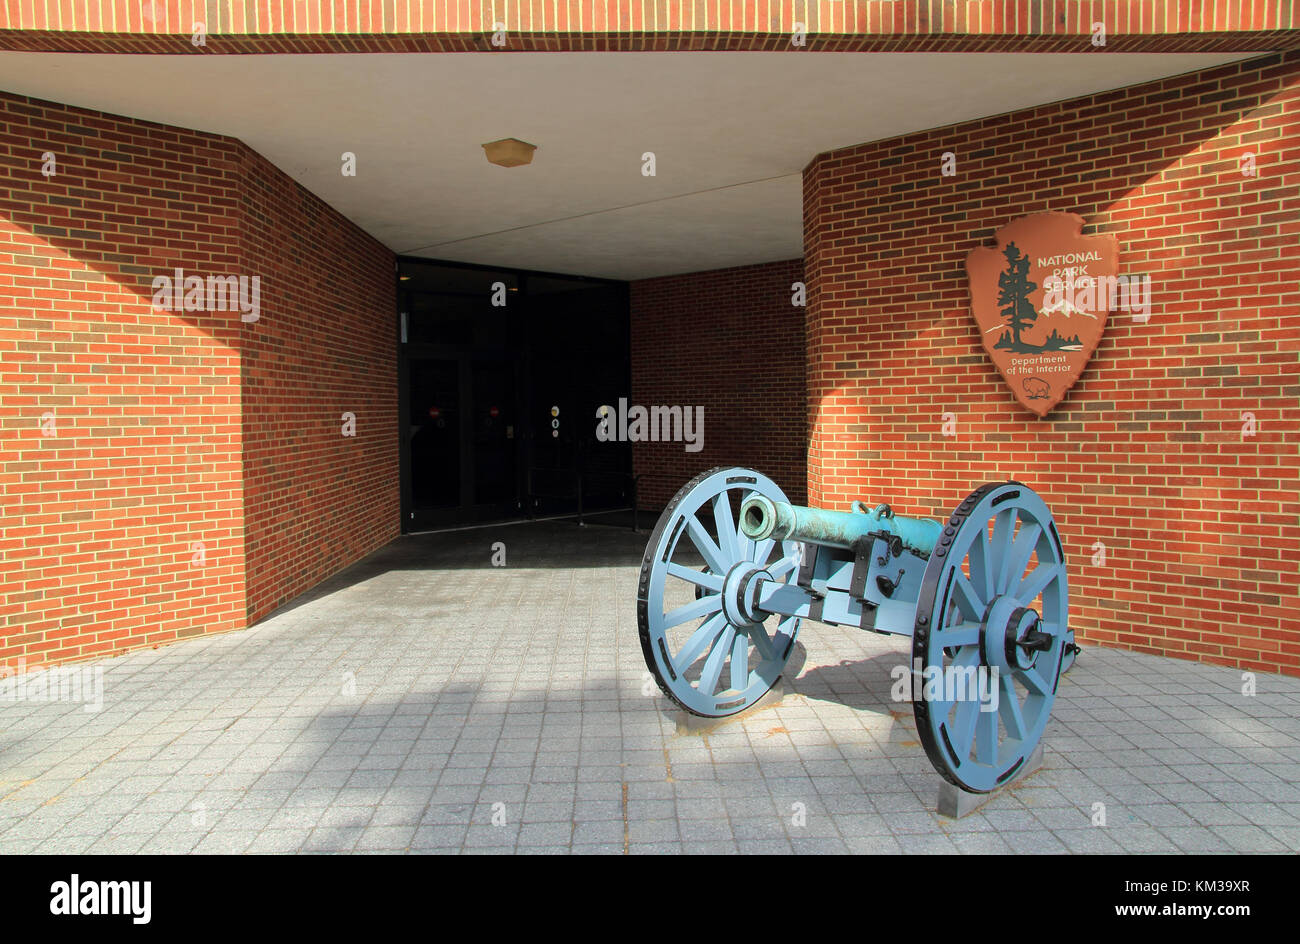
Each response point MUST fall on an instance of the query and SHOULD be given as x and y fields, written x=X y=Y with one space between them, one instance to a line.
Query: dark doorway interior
x=501 y=374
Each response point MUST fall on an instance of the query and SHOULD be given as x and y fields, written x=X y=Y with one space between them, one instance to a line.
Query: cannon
x=731 y=569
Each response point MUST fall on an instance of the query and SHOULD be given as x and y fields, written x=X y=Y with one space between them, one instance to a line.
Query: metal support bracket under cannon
x=954 y=802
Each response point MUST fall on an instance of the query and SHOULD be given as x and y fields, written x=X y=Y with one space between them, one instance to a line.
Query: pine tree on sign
x=1013 y=294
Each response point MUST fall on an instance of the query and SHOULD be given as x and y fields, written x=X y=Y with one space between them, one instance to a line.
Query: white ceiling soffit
x=730 y=131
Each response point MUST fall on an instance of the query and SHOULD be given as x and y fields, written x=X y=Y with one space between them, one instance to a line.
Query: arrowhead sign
x=1040 y=300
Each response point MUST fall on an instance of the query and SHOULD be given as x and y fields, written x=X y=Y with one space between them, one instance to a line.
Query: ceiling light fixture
x=509 y=152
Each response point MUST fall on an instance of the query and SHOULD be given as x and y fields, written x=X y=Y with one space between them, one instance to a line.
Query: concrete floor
x=426 y=701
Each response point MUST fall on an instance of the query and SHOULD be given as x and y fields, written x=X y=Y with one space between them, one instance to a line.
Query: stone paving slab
x=426 y=701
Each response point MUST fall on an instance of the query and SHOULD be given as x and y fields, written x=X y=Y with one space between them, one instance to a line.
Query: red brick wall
x=166 y=26
x=189 y=448
x=1146 y=455
x=100 y=521
x=729 y=340
x=315 y=500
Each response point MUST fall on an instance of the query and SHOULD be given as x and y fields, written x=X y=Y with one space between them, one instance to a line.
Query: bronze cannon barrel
x=762 y=518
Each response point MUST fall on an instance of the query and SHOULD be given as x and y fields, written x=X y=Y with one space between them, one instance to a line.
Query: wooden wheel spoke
x=1021 y=550
x=710 y=551
x=740 y=662
x=965 y=633
x=940 y=706
x=969 y=601
x=712 y=670
x=963 y=734
x=701 y=578
x=1034 y=681
x=758 y=634
x=981 y=574
x=693 y=610
x=1009 y=708
x=783 y=566
x=1038 y=580
x=986 y=736
x=698 y=644
x=729 y=539
x=1004 y=529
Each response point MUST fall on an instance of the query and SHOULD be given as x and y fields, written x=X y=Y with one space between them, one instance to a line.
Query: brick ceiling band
x=295 y=26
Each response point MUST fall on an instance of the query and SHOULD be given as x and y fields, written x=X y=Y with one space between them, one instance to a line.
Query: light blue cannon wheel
x=993 y=611
x=709 y=650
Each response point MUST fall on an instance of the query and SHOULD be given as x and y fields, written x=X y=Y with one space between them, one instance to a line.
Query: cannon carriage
x=731 y=569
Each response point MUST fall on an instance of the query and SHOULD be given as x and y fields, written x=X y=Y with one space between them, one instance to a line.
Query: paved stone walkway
x=426 y=701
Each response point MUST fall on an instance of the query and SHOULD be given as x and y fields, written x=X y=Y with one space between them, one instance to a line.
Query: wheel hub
x=1011 y=636
x=1024 y=639
x=739 y=601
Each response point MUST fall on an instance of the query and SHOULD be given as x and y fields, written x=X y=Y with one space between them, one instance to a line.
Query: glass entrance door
x=462 y=440
x=494 y=451
x=435 y=428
